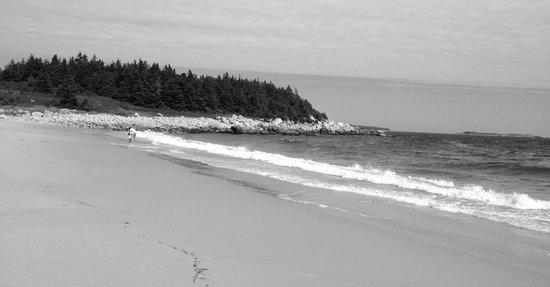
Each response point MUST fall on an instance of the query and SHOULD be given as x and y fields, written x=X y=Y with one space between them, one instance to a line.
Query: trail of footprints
x=199 y=276
x=200 y=272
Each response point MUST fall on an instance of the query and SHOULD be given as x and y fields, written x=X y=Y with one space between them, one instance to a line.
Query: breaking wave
x=356 y=172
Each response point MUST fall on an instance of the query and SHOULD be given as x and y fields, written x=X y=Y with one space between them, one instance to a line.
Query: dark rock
x=275 y=129
x=310 y=133
x=236 y=129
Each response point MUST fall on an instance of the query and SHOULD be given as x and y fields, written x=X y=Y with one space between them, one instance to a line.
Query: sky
x=485 y=42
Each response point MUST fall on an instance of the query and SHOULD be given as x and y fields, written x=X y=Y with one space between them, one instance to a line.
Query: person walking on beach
x=132 y=135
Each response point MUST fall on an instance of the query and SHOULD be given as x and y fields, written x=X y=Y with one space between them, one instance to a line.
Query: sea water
x=501 y=179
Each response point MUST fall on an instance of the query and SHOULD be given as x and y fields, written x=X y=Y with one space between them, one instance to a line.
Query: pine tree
x=44 y=82
x=66 y=93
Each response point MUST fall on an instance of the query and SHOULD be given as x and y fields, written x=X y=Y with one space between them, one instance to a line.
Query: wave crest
x=357 y=172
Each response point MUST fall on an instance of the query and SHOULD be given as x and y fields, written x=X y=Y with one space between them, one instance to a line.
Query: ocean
x=418 y=106
x=501 y=179
x=504 y=180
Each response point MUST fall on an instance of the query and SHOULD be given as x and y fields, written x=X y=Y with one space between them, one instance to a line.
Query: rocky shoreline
x=235 y=124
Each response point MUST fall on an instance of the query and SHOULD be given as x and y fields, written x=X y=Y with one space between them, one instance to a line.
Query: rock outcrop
x=234 y=124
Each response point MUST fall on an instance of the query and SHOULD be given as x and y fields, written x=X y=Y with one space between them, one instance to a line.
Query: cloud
x=491 y=41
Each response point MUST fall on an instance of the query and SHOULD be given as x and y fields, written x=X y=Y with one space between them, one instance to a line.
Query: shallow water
x=502 y=179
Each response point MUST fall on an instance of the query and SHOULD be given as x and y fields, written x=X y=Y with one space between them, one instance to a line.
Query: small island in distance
x=512 y=135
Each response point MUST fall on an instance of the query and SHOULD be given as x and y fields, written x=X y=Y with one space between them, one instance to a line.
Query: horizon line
x=365 y=77
x=388 y=79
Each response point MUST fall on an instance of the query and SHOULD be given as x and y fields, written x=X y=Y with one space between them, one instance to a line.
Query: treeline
x=152 y=86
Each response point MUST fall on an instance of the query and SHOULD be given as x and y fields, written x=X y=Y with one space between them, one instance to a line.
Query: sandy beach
x=79 y=208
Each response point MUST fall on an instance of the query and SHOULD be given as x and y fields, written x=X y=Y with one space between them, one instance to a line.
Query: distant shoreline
x=511 y=135
x=410 y=81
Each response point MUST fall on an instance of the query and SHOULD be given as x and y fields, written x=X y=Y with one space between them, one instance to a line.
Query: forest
x=152 y=86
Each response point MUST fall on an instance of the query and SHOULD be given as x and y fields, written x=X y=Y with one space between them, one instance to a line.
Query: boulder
x=275 y=129
x=277 y=121
x=37 y=114
x=236 y=129
x=378 y=133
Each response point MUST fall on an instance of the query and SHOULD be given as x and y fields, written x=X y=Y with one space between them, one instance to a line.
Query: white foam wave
x=357 y=172
x=439 y=182
x=516 y=218
x=531 y=219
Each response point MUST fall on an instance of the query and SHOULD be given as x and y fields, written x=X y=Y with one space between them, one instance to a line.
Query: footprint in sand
x=200 y=272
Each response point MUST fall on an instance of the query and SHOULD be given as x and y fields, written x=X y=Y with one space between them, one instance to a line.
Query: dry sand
x=78 y=210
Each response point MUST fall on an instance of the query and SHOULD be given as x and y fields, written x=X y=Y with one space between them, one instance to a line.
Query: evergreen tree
x=44 y=82
x=66 y=93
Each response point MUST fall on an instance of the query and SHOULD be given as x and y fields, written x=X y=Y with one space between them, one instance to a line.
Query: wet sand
x=77 y=208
